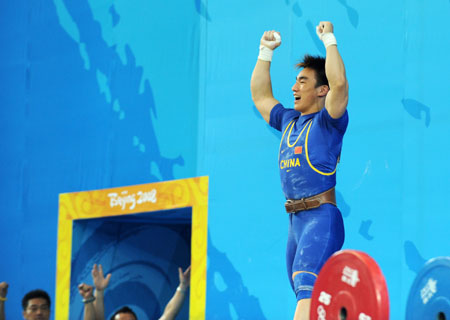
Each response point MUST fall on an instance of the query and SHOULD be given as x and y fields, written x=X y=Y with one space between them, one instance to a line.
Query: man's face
x=306 y=94
x=124 y=316
x=37 y=309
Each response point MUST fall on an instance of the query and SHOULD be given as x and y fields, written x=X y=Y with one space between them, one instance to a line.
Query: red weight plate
x=350 y=286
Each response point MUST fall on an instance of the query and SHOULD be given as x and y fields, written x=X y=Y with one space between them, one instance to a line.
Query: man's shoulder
x=280 y=115
x=325 y=119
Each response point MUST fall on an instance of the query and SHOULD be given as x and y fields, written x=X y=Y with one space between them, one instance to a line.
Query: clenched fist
x=85 y=290
x=271 y=39
x=3 y=289
x=324 y=27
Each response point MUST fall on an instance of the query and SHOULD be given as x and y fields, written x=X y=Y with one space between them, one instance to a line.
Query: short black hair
x=38 y=293
x=316 y=63
x=124 y=309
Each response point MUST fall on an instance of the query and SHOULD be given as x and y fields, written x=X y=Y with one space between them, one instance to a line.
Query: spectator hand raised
x=100 y=282
x=3 y=289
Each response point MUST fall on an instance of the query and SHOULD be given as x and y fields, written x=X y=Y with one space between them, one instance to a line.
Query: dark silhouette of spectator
x=94 y=308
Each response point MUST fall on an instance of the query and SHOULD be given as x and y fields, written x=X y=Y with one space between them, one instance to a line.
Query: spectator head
x=36 y=305
x=124 y=313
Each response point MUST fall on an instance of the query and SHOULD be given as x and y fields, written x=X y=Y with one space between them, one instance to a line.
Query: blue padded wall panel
x=142 y=252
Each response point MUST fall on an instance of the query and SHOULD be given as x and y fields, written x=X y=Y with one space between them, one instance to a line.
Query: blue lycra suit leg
x=314 y=235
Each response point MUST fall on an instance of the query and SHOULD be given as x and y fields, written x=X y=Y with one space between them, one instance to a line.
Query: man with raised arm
x=312 y=134
x=87 y=293
x=176 y=302
x=94 y=305
x=35 y=304
x=94 y=308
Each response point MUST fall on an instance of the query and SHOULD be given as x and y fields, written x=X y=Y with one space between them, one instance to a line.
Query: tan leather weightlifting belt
x=316 y=201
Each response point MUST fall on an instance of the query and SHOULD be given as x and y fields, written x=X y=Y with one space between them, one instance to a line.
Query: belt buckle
x=288 y=205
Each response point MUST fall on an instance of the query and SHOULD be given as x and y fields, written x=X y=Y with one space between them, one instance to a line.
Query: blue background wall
x=98 y=94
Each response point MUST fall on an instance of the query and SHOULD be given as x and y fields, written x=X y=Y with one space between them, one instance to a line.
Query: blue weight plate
x=429 y=297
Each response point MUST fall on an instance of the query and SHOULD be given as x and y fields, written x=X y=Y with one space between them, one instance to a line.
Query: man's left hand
x=100 y=282
x=324 y=27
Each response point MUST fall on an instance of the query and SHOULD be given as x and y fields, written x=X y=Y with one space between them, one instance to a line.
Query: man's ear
x=323 y=90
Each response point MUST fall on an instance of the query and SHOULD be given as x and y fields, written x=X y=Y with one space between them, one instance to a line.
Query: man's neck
x=315 y=108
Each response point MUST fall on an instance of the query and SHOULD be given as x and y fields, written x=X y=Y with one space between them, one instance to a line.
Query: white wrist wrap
x=265 y=53
x=328 y=39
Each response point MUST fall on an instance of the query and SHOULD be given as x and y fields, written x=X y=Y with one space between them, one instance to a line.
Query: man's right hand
x=3 y=289
x=270 y=40
x=85 y=290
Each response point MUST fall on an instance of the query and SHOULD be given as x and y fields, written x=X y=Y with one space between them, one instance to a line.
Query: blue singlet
x=309 y=153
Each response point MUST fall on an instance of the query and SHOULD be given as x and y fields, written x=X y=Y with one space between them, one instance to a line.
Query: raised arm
x=88 y=299
x=100 y=283
x=173 y=307
x=337 y=98
x=3 y=293
x=260 y=84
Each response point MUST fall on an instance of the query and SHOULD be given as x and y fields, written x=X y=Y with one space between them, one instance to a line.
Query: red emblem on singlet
x=298 y=150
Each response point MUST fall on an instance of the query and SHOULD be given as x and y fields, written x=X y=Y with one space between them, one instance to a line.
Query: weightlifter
x=312 y=134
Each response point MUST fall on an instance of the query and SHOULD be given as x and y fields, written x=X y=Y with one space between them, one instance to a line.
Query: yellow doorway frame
x=175 y=194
